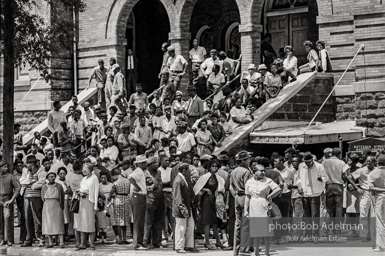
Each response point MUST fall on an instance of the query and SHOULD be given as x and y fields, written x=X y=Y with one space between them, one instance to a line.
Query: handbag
x=75 y=203
x=273 y=211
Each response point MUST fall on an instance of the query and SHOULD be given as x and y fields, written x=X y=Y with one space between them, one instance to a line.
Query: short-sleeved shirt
x=362 y=176
x=144 y=133
x=198 y=55
x=55 y=118
x=139 y=100
x=288 y=176
x=216 y=79
x=77 y=127
x=176 y=63
x=99 y=74
x=186 y=141
x=165 y=175
x=140 y=178
x=208 y=65
x=273 y=80
x=376 y=178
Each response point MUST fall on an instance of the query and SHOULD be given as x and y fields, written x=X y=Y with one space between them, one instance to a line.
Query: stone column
x=181 y=42
x=250 y=44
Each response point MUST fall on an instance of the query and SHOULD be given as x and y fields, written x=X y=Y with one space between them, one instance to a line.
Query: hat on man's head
x=170 y=48
x=182 y=124
x=125 y=126
x=205 y=157
x=49 y=173
x=336 y=151
x=18 y=161
x=32 y=159
x=252 y=66
x=262 y=66
x=381 y=159
x=328 y=151
x=290 y=151
x=179 y=93
x=103 y=114
x=213 y=51
x=152 y=160
x=308 y=157
x=140 y=159
x=242 y=155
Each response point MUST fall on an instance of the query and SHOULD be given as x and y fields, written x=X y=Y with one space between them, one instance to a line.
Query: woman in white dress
x=238 y=115
x=259 y=191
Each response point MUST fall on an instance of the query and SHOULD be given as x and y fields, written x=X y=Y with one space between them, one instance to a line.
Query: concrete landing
x=43 y=127
x=265 y=111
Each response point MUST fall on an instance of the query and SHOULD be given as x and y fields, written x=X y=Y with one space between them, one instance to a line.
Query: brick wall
x=346 y=109
x=370 y=109
x=304 y=105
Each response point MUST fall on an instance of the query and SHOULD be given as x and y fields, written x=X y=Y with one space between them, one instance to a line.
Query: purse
x=273 y=211
x=75 y=203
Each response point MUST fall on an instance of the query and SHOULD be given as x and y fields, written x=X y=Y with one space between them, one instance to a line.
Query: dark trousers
x=131 y=82
x=6 y=219
x=231 y=220
x=20 y=208
x=33 y=207
x=334 y=199
x=241 y=227
x=311 y=207
x=139 y=213
x=285 y=208
x=154 y=221
x=168 y=210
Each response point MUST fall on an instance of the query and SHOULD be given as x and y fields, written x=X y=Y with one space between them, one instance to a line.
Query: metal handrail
x=362 y=46
x=220 y=89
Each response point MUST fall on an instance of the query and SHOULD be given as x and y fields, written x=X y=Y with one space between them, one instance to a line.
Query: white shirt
x=308 y=179
x=140 y=178
x=290 y=63
x=208 y=65
x=130 y=62
x=176 y=63
x=165 y=175
x=185 y=141
x=197 y=55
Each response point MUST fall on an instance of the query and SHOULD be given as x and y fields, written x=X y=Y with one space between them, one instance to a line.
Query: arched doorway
x=291 y=22
x=147 y=28
x=215 y=24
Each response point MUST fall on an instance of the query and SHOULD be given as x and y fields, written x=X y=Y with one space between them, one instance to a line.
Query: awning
x=374 y=144
x=323 y=133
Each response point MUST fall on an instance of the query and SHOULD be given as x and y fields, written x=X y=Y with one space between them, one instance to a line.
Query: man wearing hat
x=155 y=211
x=376 y=180
x=239 y=177
x=194 y=106
x=327 y=155
x=334 y=167
x=251 y=75
x=138 y=200
x=312 y=179
x=177 y=66
x=179 y=104
x=9 y=191
x=168 y=91
x=32 y=181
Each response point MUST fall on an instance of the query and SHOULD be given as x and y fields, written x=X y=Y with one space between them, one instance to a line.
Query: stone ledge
x=369 y=86
x=334 y=19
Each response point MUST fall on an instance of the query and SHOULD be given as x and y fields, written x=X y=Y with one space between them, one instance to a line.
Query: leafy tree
x=33 y=32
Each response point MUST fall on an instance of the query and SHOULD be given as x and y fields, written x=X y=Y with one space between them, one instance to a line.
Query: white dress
x=258 y=206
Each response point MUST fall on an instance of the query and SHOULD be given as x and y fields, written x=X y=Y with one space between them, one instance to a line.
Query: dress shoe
x=26 y=245
x=181 y=251
x=2 y=243
x=9 y=243
x=191 y=249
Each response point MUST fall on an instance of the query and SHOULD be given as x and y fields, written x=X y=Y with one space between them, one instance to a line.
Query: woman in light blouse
x=88 y=193
x=312 y=57
x=110 y=154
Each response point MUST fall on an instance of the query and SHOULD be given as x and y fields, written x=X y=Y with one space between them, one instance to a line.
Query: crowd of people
x=144 y=164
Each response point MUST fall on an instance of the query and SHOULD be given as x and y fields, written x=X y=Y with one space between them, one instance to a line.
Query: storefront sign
x=373 y=144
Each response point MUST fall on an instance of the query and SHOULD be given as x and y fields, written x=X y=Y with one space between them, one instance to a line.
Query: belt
x=174 y=71
x=240 y=193
x=122 y=194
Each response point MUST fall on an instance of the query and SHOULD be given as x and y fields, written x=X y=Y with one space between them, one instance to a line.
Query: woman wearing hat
x=179 y=104
x=312 y=57
x=88 y=193
x=53 y=217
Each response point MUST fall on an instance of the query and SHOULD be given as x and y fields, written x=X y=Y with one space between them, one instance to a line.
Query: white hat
x=140 y=159
x=262 y=66
x=252 y=66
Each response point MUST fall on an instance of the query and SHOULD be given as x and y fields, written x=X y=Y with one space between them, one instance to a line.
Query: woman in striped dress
x=120 y=194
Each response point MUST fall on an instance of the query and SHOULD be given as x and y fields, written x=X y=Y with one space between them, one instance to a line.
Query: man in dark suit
x=182 y=211
x=194 y=106
x=132 y=72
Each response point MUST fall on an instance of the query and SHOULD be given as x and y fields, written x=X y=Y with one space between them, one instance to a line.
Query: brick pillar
x=181 y=42
x=250 y=44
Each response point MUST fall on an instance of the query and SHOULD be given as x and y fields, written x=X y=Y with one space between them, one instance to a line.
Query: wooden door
x=278 y=28
x=298 y=35
x=290 y=29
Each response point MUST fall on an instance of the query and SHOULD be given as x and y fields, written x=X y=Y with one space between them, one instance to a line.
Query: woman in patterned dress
x=120 y=194
x=217 y=131
x=204 y=139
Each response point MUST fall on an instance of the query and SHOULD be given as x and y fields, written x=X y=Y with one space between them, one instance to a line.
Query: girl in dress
x=204 y=139
x=260 y=191
x=61 y=179
x=52 y=216
x=104 y=221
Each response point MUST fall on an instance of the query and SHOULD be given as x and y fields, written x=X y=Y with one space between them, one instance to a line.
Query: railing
x=362 y=47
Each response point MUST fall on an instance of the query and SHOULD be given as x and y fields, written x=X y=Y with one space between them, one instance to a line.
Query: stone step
x=265 y=111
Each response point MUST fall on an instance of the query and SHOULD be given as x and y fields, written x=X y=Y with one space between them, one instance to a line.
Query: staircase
x=43 y=126
x=267 y=110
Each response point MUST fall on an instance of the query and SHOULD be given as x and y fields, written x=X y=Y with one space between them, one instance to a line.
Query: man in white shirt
x=206 y=70
x=197 y=55
x=177 y=66
x=186 y=140
x=311 y=184
x=132 y=71
x=55 y=116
